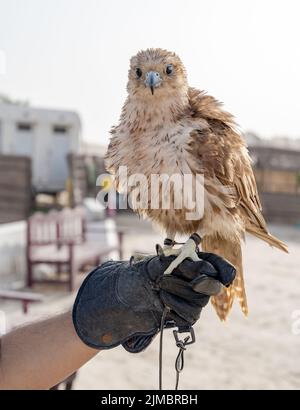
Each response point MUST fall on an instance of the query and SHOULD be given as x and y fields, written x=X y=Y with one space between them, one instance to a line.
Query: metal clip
x=181 y=344
x=185 y=341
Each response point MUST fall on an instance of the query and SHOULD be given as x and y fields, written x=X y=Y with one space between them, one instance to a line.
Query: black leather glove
x=123 y=303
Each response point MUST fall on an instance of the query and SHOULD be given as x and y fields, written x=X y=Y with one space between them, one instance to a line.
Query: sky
x=74 y=54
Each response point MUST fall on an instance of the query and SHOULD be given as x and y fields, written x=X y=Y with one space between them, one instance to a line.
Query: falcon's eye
x=138 y=72
x=169 y=69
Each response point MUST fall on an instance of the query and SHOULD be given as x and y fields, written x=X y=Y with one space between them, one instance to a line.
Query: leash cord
x=179 y=362
x=181 y=344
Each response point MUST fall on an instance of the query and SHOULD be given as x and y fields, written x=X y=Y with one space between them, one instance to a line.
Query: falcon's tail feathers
x=267 y=237
x=230 y=250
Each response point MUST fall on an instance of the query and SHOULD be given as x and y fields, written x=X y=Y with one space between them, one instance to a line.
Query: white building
x=47 y=136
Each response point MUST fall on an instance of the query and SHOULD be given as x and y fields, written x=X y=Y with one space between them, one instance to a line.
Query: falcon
x=169 y=128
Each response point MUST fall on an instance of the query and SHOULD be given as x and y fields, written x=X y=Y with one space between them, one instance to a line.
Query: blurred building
x=277 y=172
x=41 y=152
x=46 y=136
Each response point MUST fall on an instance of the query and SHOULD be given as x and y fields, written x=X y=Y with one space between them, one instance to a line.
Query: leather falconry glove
x=123 y=303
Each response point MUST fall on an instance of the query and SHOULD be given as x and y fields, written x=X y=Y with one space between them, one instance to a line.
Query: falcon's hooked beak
x=153 y=80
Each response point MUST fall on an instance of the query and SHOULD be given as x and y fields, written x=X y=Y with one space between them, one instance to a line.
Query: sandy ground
x=258 y=352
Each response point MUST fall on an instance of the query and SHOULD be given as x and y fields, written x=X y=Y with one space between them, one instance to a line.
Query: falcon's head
x=156 y=73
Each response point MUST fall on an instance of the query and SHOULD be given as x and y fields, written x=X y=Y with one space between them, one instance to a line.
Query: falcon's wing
x=224 y=155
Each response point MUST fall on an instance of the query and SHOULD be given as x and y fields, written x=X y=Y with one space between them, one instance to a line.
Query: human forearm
x=40 y=355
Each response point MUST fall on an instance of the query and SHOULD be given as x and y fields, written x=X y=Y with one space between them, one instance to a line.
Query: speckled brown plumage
x=180 y=130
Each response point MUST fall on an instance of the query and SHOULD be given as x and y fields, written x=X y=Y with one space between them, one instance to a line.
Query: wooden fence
x=281 y=207
x=15 y=188
x=83 y=172
x=276 y=172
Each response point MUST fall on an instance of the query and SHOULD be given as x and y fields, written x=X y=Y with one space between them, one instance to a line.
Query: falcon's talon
x=188 y=250
x=159 y=250
x=170 y=251
x=169 y=242
x=196 y=238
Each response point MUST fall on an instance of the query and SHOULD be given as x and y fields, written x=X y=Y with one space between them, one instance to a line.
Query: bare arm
x=40 y=355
